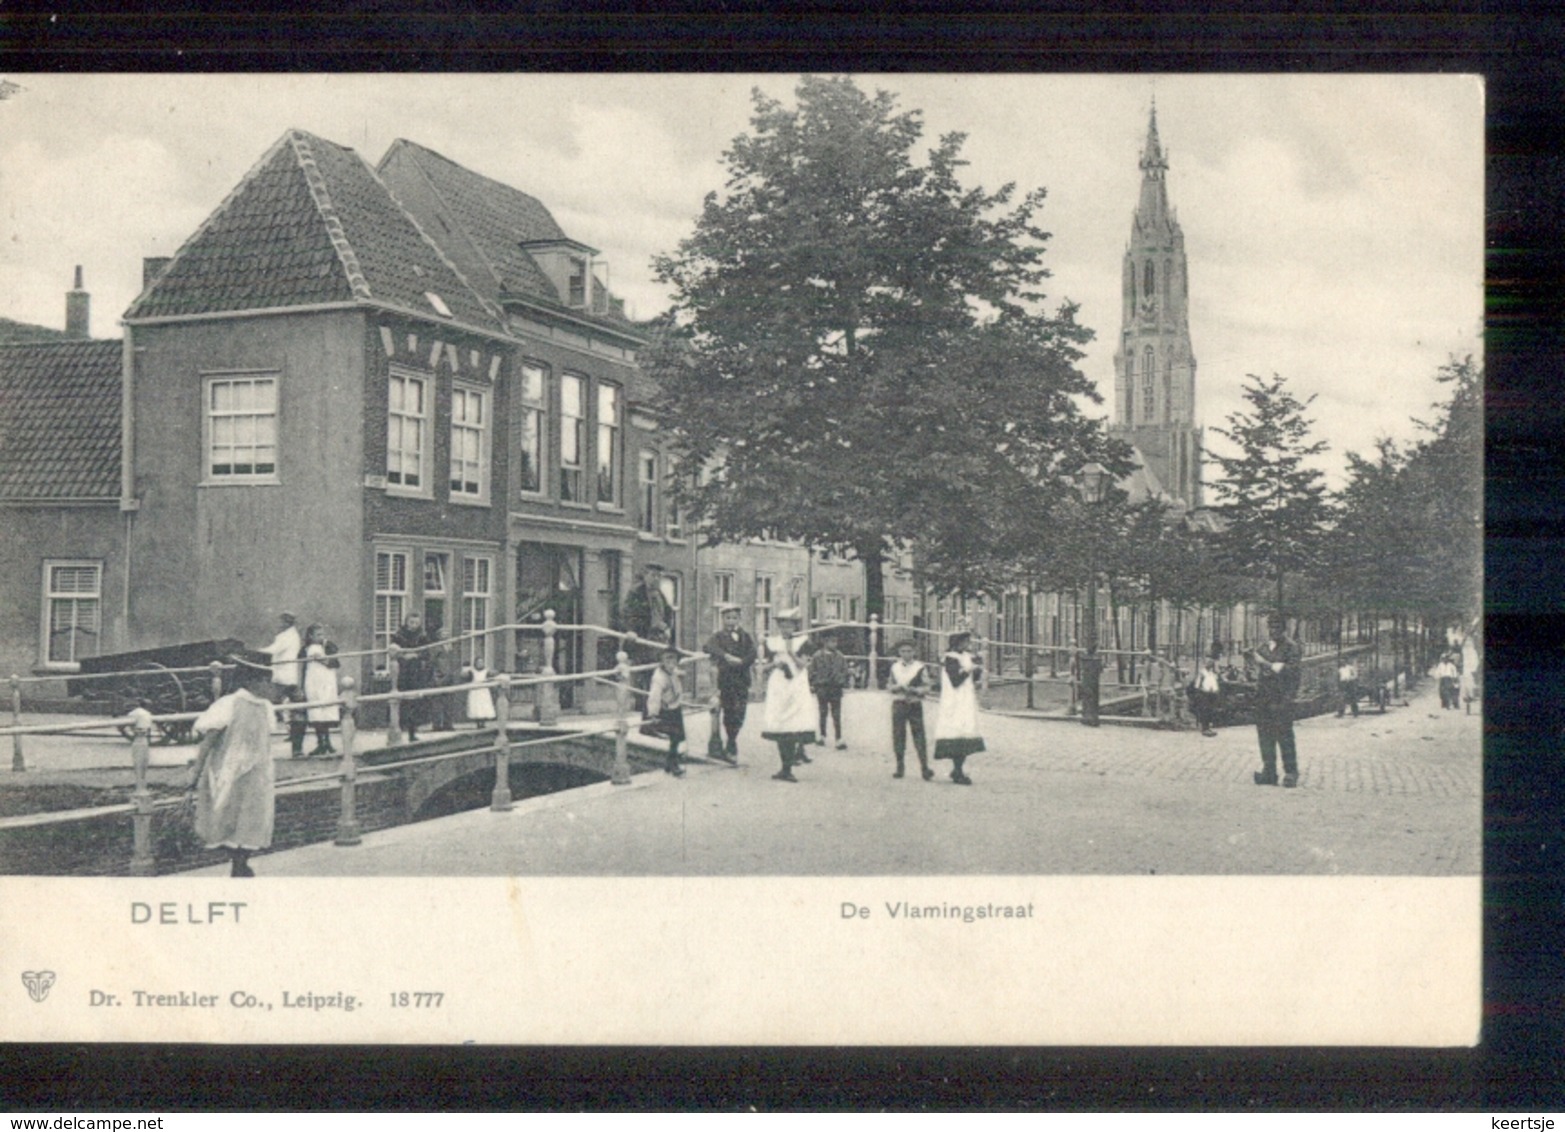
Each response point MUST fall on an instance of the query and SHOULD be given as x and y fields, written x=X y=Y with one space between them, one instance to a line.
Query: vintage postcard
x=726 y=559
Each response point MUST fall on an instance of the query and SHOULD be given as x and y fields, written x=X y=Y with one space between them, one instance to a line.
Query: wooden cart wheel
x=166 y=700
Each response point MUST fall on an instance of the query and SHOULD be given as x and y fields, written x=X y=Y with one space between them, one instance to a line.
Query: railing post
x=348 y=822
x=18 y=763
x=622 y=723
x=983 y=677
x=500 y=800
x=393 y=705
x=548 y=691
x=142 y=863
x=216 y=669
x=874 y=651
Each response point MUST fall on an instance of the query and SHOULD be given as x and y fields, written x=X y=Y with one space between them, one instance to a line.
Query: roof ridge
x=223 y=206
x=499 y=184
x=478 y=250
x=304 y=154
x=495 y=312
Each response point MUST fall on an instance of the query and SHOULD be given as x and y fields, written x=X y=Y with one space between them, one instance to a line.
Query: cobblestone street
x=1393 y=794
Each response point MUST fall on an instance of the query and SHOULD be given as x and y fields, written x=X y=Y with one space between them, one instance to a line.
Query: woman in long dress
x=956 y=727
x=320 y=685
x=233 y=777
x=790 y=707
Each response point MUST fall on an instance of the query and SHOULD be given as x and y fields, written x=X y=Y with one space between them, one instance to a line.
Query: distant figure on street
x=287 y=680
x=320 y=683
x=828 y=678
x=1277 y=679
x=442 y=673
x=413 y=672
x=733 y=655
x=1450 y=677
x=908 y=682
x=650 y=617
x=1206 y=695
x=1347 y=688
x=790 y=709
x=480 y=701
x=233 y=777
x=666 y=698
x=956 y=728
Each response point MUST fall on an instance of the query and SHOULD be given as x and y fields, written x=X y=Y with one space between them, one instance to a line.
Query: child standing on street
x=907 y=686
x=480 y=700
x=828 y=678
x=665 y=704
x=956 y=730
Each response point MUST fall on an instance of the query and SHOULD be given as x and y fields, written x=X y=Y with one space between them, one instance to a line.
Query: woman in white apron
x=956 y=727
x=790 y=707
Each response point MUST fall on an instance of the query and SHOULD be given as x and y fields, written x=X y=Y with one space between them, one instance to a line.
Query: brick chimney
x=151 y=267
x=78 y=305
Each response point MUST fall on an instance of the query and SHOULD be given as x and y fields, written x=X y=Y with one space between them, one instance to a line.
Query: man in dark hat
x=733 y=656
x=1278 y=660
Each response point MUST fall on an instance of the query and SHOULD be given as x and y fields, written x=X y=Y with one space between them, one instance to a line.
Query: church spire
x=1153 y=207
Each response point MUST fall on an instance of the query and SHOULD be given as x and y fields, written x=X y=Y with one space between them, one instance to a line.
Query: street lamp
x=1090 y=482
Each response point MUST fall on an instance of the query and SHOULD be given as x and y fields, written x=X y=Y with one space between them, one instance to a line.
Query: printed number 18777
x=417 y=998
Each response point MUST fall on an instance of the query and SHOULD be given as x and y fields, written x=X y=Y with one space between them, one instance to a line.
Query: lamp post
x=1090 y=483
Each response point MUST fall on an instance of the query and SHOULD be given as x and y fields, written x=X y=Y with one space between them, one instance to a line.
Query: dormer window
x=577 y=283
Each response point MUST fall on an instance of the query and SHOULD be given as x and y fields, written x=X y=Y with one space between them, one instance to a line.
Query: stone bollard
x=142 y=863
x=874 y=652
x=500 y=800
x=18 y=763
x=393 y=705
x=348 y=820
x=622 y=724
x=548 y=691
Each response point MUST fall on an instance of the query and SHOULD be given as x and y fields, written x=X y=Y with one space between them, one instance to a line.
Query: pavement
x=1398 y=794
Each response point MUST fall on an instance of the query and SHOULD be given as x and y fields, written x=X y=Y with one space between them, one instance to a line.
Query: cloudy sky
x=1334 y=224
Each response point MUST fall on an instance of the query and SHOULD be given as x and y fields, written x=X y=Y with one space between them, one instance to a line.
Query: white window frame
x=422 y=455
x=831 y=608
x=467 y=433
x=673 y=517
x=210 y=381
x=610 y=397
x=477 y=606
x=385 y=597
x=52 y=595
x=722 y=594
x=534 y=411
x=765 y=594
x=647 y=495
x=573 y=426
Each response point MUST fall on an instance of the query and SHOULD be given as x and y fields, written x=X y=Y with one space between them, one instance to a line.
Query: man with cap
x=649 y=616
x=287 y=679
x=733 y=656
x=1278 y=660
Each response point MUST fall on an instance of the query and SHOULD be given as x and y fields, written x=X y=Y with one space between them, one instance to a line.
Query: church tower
x=1154 y=369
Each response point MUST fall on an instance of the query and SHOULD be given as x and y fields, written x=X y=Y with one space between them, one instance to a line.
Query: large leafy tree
x=858 y=356
x=1273 y=501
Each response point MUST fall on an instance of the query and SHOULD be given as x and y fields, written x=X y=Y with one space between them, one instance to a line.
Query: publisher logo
x=38 y=983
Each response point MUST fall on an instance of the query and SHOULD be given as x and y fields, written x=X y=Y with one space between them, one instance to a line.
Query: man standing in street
x=287 y=679
x=1347 y=688
x=733 y=654
x=649 y=616
x=1278 y=660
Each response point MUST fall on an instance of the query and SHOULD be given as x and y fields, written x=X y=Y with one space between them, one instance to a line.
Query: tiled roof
x=495 y=218
x=13 y=331
x=310 y=223
x=60 y=420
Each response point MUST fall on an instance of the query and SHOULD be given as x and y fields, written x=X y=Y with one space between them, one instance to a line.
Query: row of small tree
x=860 y=358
